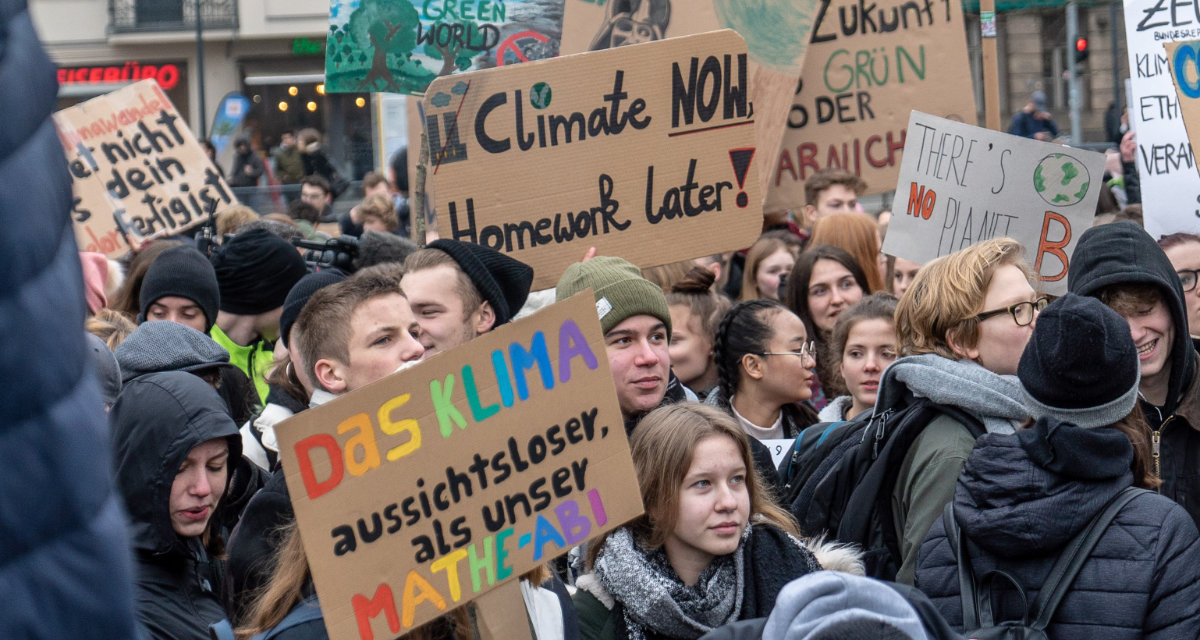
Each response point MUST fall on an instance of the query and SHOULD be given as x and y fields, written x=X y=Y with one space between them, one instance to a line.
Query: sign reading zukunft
x=863 y=73
x=422 y=491
x=644 y=152
x=1165 y=163
x=136 y=170
x=960 y=185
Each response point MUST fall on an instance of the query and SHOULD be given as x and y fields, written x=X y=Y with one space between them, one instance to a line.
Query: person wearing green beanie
x=637 y=326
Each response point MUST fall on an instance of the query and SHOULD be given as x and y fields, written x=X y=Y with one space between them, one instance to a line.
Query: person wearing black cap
x=459 y=290
x=181 y=286
x=1124 y=267
x=255 y=270
x=1022 y=497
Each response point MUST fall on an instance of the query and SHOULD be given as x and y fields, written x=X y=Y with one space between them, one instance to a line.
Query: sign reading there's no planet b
x=960 y=185
x=645 y=152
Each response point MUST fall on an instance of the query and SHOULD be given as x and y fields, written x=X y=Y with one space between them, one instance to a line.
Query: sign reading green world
x=1061 y=180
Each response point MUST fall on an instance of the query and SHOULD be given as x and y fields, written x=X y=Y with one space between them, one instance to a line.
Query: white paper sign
x=960 y=185
x=1169 y=180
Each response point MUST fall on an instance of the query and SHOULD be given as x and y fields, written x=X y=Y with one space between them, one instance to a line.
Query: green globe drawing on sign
x=1061 y=180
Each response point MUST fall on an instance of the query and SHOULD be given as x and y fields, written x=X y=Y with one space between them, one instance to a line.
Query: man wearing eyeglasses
x=1121 y=265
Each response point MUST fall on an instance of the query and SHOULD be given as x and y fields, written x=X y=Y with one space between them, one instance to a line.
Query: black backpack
x=978 y=620
x=842 y=485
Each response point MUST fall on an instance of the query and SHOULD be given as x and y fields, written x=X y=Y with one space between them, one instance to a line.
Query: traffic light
x=1081 y=50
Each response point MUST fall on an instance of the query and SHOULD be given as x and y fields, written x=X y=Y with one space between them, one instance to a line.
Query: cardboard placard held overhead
x=960 y=185
x=852 y=104
x=776 y=33
x=1183 y=58
x=1166 y=165
x=422 y=491
x=402 y=45
x=643 y=152
x=136 y=170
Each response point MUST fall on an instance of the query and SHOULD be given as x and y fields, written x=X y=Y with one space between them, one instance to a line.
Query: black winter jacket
x=1124 y=253
x=65 y=570
x=156 y=421
x=1022 y=497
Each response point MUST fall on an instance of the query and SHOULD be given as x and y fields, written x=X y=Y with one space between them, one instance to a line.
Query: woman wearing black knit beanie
x=1023 y=498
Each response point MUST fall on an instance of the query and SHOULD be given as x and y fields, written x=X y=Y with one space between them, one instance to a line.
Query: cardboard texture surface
x=960 y=185
x=644 y=152
x=1182 y=57
x=135 y=167
x=851 y=108
x=776 y=32
x=1165 y=162
x=403 y=45
x=501 y=614
x=426 y=489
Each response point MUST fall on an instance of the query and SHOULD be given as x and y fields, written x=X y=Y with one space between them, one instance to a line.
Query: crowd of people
x=963 y=452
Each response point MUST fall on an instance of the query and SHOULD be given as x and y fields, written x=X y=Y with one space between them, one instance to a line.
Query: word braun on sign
x=136 y=170
x=423 y=491
x=643 y=152
x=960 y=185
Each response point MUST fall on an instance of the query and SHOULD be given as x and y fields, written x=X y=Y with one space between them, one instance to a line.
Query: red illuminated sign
x=166 y=74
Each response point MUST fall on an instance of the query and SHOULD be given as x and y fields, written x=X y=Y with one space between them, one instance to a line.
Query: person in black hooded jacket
x=1121 y=265
x=173 y=439
x=1021 y=498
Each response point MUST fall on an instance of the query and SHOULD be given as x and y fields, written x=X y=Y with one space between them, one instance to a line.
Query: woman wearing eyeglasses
x=764 y=365
x=1183 y=250
x=962 y=327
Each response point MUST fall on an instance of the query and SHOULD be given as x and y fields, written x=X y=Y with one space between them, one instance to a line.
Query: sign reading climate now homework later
x=645 y=152
x=431 y=487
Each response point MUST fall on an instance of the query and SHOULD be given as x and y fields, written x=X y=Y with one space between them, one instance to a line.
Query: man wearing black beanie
x=255 y=270
x=458 y=290
x=181 y=286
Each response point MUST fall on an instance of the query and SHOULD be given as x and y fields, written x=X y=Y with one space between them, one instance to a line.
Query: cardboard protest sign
x=136 y=170
x=1184 y=63
x=1165 y=162
x=776 y=33
x=960 y=185
x=862 y=76
x=644 y=152
x=403 y=45
x=426 y=489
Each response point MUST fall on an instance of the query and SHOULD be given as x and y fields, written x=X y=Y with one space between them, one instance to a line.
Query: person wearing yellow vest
x=255 y=270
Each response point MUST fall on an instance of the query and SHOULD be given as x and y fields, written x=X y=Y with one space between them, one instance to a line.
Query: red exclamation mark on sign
x=741 y=165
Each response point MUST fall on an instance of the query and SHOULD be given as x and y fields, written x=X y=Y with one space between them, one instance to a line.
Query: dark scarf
x=653 y=602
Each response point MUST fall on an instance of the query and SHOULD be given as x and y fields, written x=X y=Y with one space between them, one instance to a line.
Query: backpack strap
x=1071 y=560
x=307 y=610
x=966 y=579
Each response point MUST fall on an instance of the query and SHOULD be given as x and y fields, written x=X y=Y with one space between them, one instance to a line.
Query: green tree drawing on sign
x=382 y=27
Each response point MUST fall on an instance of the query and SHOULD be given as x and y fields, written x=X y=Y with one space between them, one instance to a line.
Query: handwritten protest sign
x=426 y=489
x=1184 y=63
x=865 y=69
x=1165 y=162
x=960 y=185
x=775 y=31
x=644 y=152
x=403 y=45
x=136 y=170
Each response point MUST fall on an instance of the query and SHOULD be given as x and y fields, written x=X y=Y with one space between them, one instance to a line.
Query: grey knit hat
x=167 y=346
x=619 y=289
x=826 y=605
x=1080 y=365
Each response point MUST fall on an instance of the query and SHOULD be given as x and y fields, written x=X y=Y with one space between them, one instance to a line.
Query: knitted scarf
x=653 y=598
